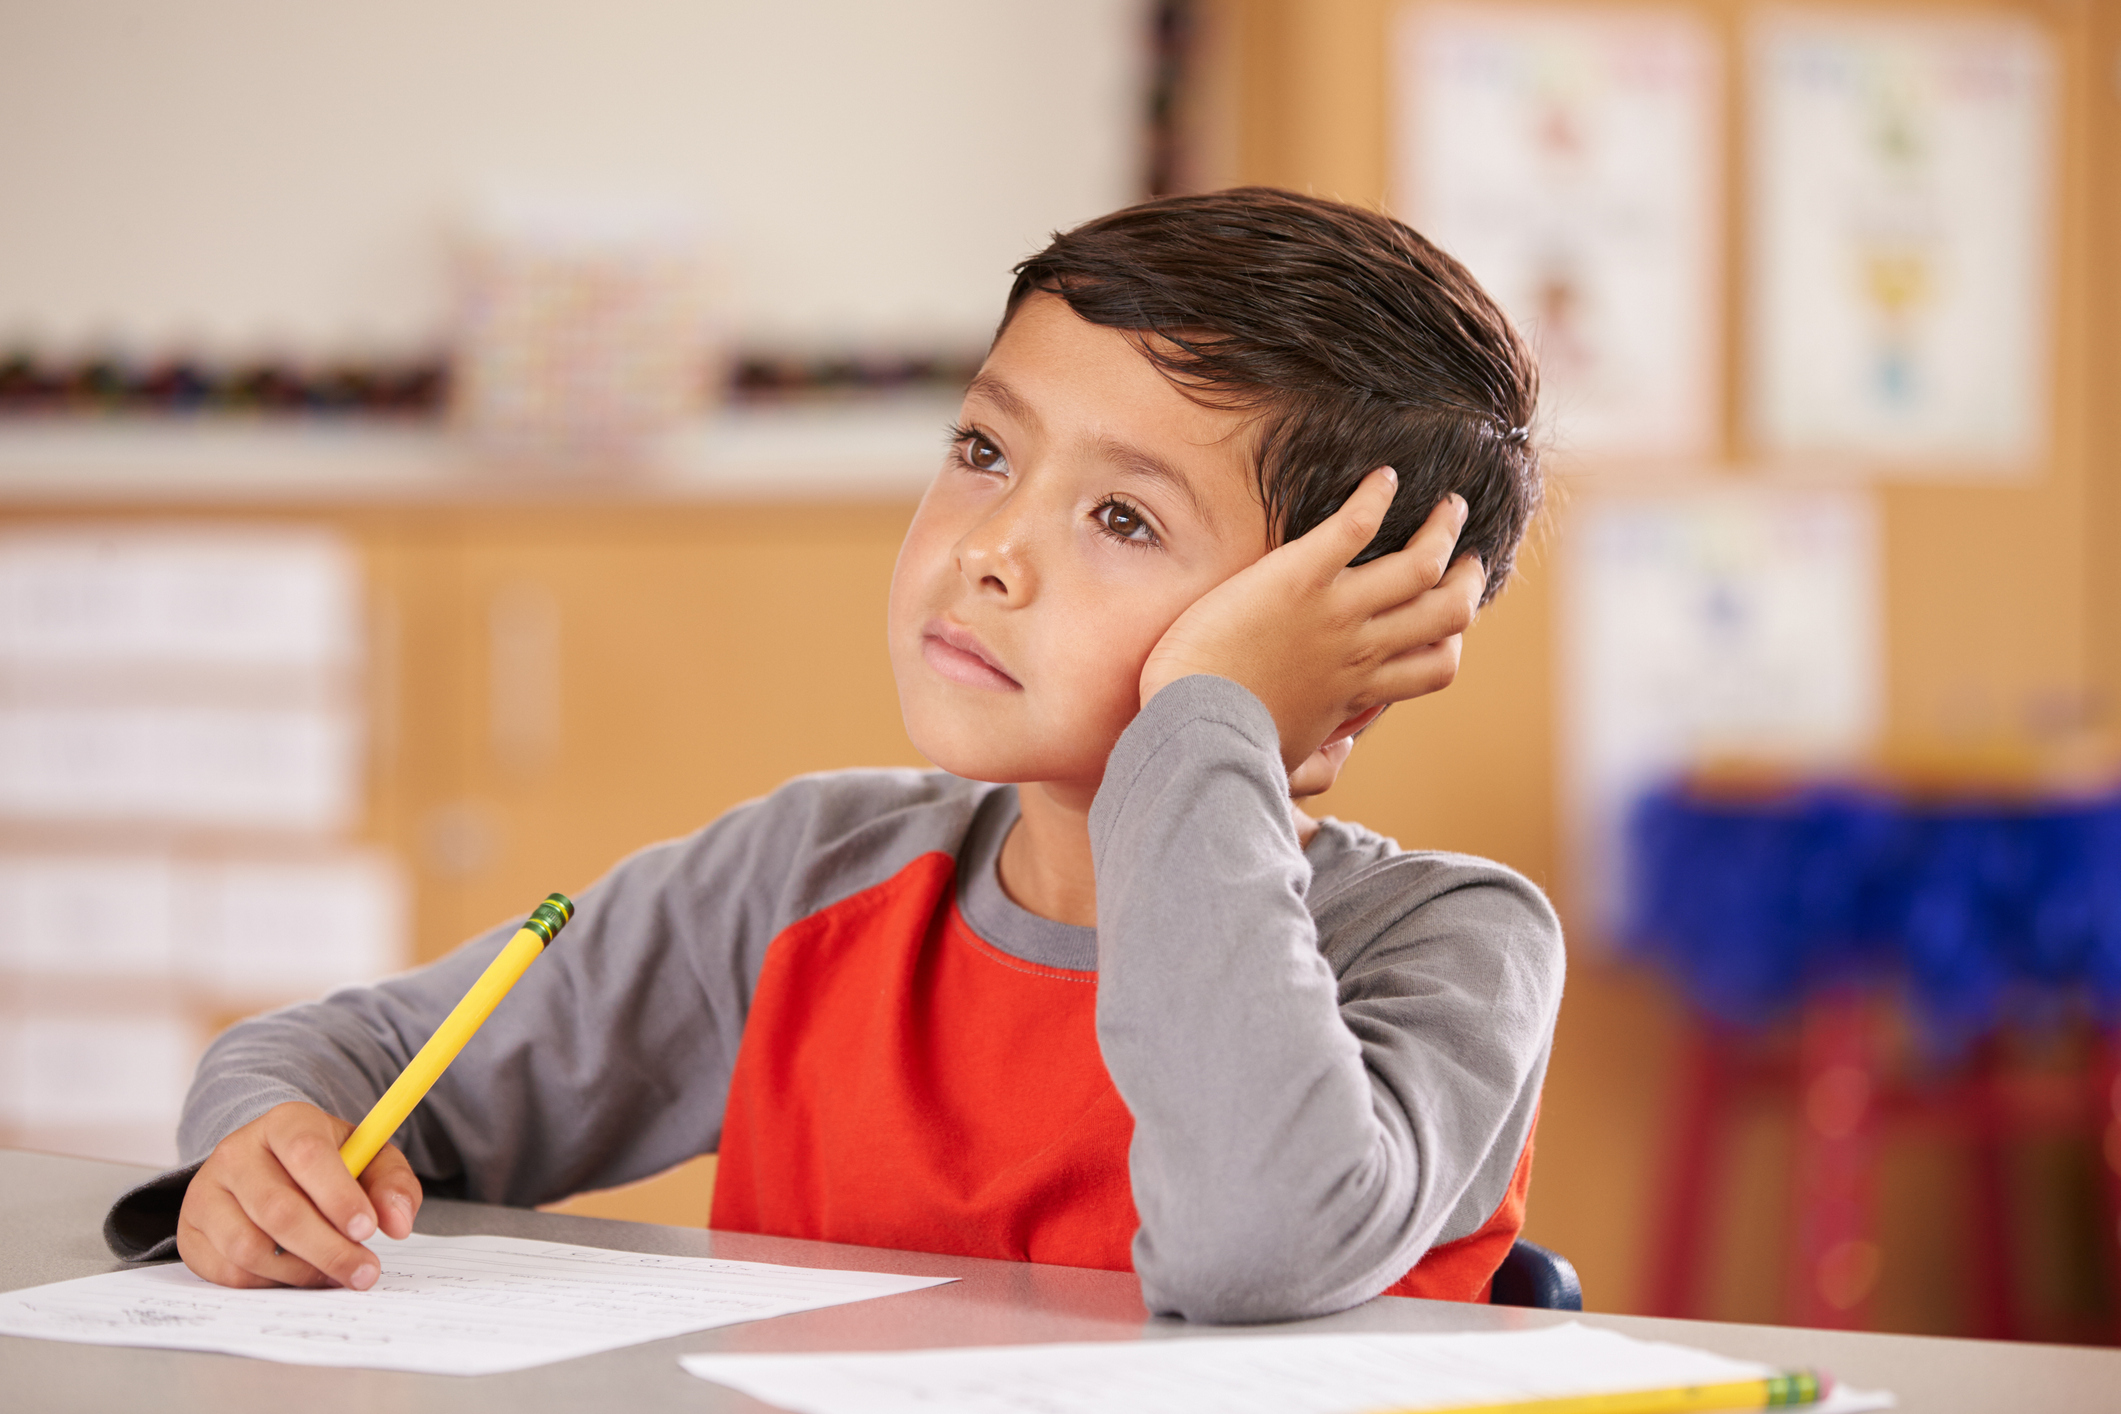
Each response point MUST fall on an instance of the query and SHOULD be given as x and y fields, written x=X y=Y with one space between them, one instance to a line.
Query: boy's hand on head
x=1325 y=646
x=273 y=1205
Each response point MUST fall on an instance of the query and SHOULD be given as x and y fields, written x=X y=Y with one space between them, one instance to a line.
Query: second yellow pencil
x=1784 y=1391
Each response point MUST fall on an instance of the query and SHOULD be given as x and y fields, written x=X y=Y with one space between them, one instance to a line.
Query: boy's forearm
x=338 y=1054
x=1300 y=1138
x=608 y=1061
x=1219 y=1024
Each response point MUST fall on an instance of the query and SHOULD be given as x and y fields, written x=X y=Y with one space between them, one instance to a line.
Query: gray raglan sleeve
x=1312 y=1113
x=608 y=1061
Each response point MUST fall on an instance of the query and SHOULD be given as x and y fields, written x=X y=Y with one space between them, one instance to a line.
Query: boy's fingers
x=227 y=1247
x=205 y=1259
x=285 y=1218
x=1419 y=673
x=319 y=1212
x=1353 y=726
x=393 y=1189
x=1421 y=564
x=1438 y=613
x=1341 y=536
x=307 y=1146
x=1316 y=772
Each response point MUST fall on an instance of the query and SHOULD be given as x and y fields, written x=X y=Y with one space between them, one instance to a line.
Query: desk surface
x=51 y=1212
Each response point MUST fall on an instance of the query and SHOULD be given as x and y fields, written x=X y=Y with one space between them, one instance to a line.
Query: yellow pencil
x=1774 y=1392
x=412 y=1085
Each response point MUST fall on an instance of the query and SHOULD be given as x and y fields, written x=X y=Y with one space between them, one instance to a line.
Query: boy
x=1133 y=1008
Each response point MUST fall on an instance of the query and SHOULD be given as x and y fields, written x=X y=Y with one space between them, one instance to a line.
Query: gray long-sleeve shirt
x=1332 y=1054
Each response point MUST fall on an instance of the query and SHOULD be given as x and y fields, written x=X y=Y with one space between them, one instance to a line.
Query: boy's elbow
x=1240 y=1277
x=1213 y=1305
x=1282 y=1247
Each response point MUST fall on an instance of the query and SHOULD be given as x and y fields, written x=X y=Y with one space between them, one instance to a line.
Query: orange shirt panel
x=902 y=1083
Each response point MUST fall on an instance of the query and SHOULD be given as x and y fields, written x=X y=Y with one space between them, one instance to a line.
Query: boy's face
x=1086 y=506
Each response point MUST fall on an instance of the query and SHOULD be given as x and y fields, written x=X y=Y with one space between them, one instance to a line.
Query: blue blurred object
x=1751 y=904
x=1531 y=1275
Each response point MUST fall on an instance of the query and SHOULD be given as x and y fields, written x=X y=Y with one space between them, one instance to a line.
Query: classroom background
x=446 y=447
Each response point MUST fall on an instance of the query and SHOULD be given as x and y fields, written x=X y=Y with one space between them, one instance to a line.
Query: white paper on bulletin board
x=268 y=768
x=1572 y=160
x=203 y=597
x=96 y=1070
x=1708 y=625
x=1901 y=225
x=91 y=916
x=270 y=931
x=243 y=930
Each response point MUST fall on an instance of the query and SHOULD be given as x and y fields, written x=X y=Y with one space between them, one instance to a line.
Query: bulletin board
x=1573 y=160
x=1891 y=267
x=1898 y=300
x=1901 y=198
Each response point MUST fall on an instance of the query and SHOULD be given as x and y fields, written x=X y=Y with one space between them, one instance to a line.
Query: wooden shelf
x=881 y=449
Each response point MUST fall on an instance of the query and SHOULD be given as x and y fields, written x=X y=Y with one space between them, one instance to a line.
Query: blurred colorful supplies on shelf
x=1975 y=907
x=584 y=329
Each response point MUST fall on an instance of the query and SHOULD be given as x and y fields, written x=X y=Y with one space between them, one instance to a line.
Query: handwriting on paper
x=443 y=1305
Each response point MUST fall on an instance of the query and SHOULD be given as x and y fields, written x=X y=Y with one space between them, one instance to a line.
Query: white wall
x=237 y=175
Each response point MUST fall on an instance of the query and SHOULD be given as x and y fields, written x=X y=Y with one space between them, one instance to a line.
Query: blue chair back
x=1532 y=1276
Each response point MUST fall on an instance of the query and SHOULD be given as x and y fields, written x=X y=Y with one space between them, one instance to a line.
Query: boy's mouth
x=956 y=652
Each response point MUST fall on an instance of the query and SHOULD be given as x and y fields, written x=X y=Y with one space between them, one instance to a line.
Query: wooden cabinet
x=577 y=683
x=552 y=678
x=552 y=687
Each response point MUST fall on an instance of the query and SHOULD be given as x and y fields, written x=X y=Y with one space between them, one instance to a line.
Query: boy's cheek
x=921 y=563
x=1096 y=685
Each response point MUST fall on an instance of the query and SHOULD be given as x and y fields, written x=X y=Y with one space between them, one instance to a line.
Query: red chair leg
x=1979 y=1105
x=1837 y=1252
x=2106 y=1111
x=1685 y=1206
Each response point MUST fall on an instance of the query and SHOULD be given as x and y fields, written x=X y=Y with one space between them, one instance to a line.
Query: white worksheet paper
x=443 y=1306
x=1287 y=1374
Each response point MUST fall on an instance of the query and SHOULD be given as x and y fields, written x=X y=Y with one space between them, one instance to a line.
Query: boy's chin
x=974 y=759
x=974 y=764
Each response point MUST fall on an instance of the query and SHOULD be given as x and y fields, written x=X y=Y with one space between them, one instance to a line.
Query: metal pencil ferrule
x=549 y=917
x=1798 y=1387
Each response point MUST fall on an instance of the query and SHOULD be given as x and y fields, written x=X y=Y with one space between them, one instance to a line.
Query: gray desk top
x=51 y=1210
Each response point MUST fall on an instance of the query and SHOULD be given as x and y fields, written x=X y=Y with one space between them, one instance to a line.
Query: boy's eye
x=1124 y=522
x=981 y=453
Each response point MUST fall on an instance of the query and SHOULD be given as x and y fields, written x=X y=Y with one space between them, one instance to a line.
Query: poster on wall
x=1705 y=626
x=1901 y=175
x=1572 y=159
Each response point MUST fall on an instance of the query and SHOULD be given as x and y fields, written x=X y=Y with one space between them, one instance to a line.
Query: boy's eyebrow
x=1155 y=468
x=995 y=391
x=1127 y=455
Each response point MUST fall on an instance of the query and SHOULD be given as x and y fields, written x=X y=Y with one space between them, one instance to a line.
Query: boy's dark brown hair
x=1359 y=343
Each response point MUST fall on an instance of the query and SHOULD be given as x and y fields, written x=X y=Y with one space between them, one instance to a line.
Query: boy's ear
x=1318 y=772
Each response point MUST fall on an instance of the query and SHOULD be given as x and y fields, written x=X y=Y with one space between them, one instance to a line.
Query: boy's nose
x=992 y=557
x=991 y=569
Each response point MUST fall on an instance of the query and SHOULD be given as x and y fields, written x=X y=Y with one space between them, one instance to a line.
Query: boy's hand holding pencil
x=287 y=1199
x=274 y=1205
